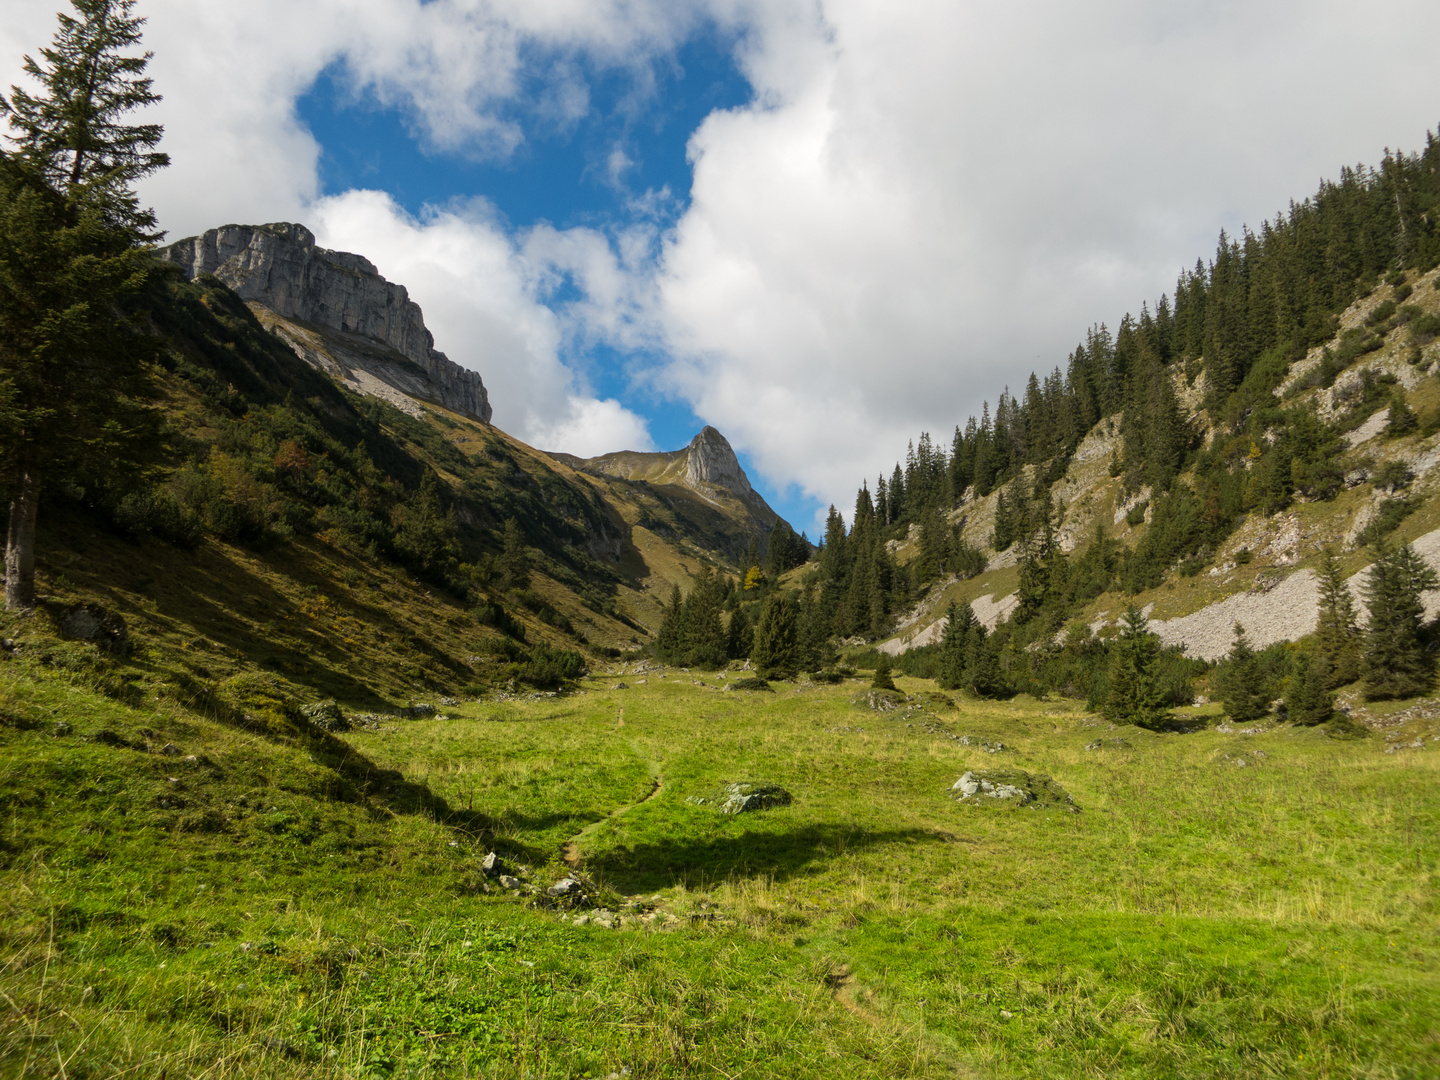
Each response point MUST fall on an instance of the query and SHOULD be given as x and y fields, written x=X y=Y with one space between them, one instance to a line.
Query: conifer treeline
x=1231 y=328
x=1276 y=290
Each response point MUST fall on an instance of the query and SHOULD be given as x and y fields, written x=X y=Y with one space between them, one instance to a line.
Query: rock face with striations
x=710 y=460
x=279 y=267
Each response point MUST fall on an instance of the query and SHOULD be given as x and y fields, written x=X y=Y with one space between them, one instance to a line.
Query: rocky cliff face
x=279 y=267
x=710 y=460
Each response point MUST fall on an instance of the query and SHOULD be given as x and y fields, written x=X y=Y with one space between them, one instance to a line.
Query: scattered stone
x=93 y=623
x=171 y=750
x=620 y=686
x=1006 y=1014
x=326 y=715
x=568 y=892
x=745 y=797
x=881 y=701
x=1115 y=744
x=280 y=1046
x=416 y=712
x=1012 y=788
x=508 y=882
x=492 y=865
x=62 y=729
x=641 y=682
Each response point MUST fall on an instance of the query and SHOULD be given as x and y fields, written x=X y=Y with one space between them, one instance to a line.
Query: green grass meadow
x=309 y=906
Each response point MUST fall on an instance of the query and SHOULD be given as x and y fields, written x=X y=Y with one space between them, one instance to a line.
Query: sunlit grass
x=1197 y=917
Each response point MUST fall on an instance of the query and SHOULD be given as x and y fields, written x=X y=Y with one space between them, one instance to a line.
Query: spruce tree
x=952 y=651
x=1395 y=663
x=881 y=680
x=1309 y=701
x=72 y=348
x=1338 y=641
x=983 y=676
x=752 y=555
x=1134 y=694
x=740 y=636
x=667 y=638
x=776 y=653
x=1241 y=683
x=702 y=640
x=1402 y=420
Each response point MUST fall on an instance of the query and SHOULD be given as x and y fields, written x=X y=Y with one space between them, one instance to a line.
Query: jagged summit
x=707 y=467
x=709 y=459
x=336 y=312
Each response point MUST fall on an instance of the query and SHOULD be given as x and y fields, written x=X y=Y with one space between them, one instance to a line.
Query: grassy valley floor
x=1224 y=903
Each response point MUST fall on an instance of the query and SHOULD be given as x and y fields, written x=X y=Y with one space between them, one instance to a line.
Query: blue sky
x=564 y=174
x=879 y=214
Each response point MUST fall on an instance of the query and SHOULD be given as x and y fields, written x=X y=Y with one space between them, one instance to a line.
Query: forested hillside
x=1208 y=414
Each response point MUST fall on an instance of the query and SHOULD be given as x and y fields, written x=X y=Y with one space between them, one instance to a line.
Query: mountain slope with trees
x=1286 y=387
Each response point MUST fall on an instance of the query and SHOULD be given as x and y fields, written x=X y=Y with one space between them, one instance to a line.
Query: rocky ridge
x=335 y=311
x=707 y=467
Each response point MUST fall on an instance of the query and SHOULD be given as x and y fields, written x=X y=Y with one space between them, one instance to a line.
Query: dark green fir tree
x=1134 y=693
x=1338 y=641
x=776 y=653
x=1241 y=683
x=73 y=264
x=881 y=680
x=1395 y=663
x=1309 y=701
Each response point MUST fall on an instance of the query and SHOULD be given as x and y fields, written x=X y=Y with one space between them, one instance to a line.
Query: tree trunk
x=20 y=540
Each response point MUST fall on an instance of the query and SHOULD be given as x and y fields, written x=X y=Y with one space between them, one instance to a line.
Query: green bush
x=1425 y=329
x=156 y=511
x=1393 y=475
x=491 y=613
x=547 y=668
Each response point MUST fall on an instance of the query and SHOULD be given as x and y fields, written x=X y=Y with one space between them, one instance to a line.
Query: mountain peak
x=709 y=459
x=279 y=267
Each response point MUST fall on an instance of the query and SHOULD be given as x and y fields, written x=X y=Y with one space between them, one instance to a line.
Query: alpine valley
x=349 y=736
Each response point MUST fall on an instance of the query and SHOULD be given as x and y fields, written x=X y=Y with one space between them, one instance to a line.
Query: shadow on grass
x=212 y=594
x=785 y=855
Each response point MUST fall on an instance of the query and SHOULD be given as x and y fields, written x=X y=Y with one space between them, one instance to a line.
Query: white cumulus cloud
x=923 y=200
x=927 y=200
x=480 y=295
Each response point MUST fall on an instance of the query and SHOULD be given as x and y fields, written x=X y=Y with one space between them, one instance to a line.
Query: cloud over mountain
x=920 y=201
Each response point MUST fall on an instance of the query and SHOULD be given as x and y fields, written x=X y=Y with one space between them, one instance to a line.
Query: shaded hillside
x=348 y=547
x=703 y=487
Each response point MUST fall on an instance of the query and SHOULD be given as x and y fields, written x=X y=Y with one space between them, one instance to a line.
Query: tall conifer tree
x=72 y=351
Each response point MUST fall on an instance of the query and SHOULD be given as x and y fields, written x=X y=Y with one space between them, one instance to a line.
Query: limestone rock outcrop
x=280 y=268
x=710 y=460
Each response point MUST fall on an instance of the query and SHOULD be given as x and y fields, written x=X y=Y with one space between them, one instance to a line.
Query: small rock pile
x=1116 y=743
x=964 y=740
x=745 y=797
x=327 y=716
x=881 y=701
x=1012 y=788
